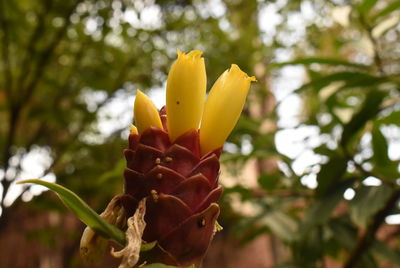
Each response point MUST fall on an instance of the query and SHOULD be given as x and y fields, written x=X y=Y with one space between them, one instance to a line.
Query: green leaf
x=269 y=181
x=363 y=81
x=312 y=60
x=330 y=174
x=391 y=118
x=148 y=246
x=366 y=6
x=392 y=255
x=321 y=210
x=343 y=231
x=308 y=249
x=113 y=173
x=370 y=109
x=351 y=79
x=247 y=125
x=389 y=171
x=281 y=225
x=387 y=10
x=83 y=211
x=380 y=147
x=367 y=201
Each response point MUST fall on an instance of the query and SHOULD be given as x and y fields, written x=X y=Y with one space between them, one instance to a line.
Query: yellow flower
x=185 y=105
x=223 y=107
x=186 y=89
x=145 y=113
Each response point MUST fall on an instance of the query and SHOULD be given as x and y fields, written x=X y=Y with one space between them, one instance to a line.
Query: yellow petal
x=223 y=107
x=145 y=113
x=133 y=129
x=186 y=89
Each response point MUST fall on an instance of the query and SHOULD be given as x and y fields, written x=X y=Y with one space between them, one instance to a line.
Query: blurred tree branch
x=377 y=58
x=5 y=50
x=25 y=93
x=30 y=50
x=368 y=236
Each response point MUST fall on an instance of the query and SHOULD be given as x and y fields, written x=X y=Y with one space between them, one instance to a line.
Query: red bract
x=181 y=187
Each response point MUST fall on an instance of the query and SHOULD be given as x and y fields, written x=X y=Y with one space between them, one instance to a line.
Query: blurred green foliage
x=57 y=57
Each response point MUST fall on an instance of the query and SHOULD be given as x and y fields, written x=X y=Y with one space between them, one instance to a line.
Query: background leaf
x=369 y=109
x=380 y=147
x=391 y=7
x=366 y=6
x=367 y=201
x=328 y=61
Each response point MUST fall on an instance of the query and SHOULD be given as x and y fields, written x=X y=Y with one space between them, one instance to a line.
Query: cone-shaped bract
x=186 y=89
x=223 y=107
x=181 y=187
x=145 y=113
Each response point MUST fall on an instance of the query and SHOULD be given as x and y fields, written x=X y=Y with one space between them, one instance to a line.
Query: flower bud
x=223 y=107
x=186 y=89
x=145 y=113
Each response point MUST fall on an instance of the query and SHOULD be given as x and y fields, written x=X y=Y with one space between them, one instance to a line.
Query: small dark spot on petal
x=177 y=102
x=201 y=222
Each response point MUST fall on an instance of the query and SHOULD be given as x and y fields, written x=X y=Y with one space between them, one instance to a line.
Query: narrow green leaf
x=389 y=171
x=366 y=6
x=367 y=201
x=327 y=61
x=380 y=147
x=369 y=109
x=83 y=211
x=361 y=80
x=391 y=118
x=351 y=79
x=281 y=225
x=330 y=174
x=269 y=181
x=321 y=210
x=387 y=10
x=343 y=231
x=148 y=246
x=113 y=173
x=308 y=248
x=247 y=125
x=391 y=254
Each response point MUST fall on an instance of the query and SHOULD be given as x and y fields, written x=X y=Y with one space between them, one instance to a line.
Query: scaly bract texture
x=182 y=188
